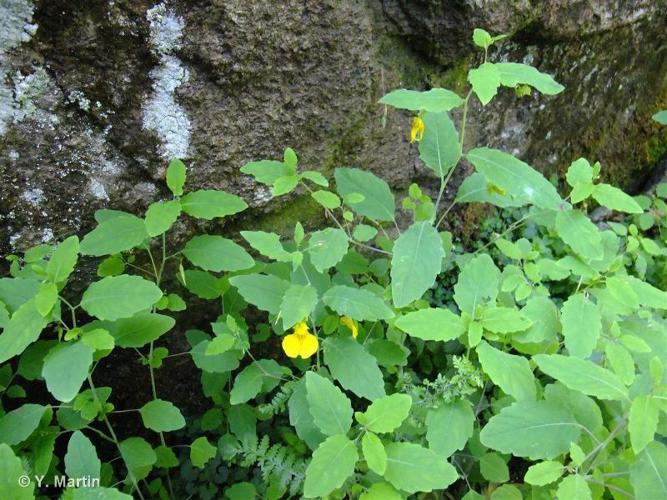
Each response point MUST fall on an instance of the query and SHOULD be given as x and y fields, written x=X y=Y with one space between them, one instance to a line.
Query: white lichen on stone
x=33 y=196
x=15 y=28
x=98 y=190
x=161 y=113
x=78 y=97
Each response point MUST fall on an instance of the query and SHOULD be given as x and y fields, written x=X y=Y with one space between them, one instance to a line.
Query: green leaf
x=363 y=232
x=386 y=413
x=241 y=491
x=477 y=284
x=475 y=188
x=118 y=297
x=380 y=491
x=533 y=429
x=643 y=421
x=333 y=462
x=544 y=473
x=327 y=248
x=267 y=171
x=215 y=253
x=114 y=235
x=327 y=199
x=263 y=291
x=648 y=475
x=494 y=468
x=504 y=320
x=378 y=203
x=511 y=373
x=138 y=330
x=582 y=325
x=621 y=362
x=330 y=408
x=268 y=244
x=356 y=303
x=15 y=292
x=81 y=458
x=138 y=455
x=431 y=324
x=98 y=339
x=485 y=81
x=661 y=117
x=161 y=215
x=46 y=298
x=449 y=427
x=284 y=185
x=513 y=74
x=354 y=368
x=315 y=177
x=176 y=173
x=161 y=416
x=574 y=486
x=612 y=197
x=412 y=468
x=579 y=172
x=416 y=261
x=23 y=328
x=582 y=375
x=575 y=229
x=434 y=100
x=374 y=454
x=481 y=38
x=217 y=363
x=250 y=381
x=62 y=262
x=301 y=419
x=515 y=177
x=297 y=304
x=11 y=472
x=17 y=425
x=209 y=204
x=201 y=451
x=66 y=368
x=439 y=149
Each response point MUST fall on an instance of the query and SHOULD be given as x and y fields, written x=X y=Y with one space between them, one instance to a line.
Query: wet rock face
x=96 y=96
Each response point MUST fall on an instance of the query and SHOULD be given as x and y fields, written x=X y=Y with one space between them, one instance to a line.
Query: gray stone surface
x=95 y=96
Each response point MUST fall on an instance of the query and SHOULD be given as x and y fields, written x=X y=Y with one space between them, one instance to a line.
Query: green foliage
x=529 y=363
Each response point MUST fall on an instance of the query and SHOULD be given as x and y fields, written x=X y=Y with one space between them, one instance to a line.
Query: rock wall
x=96 y=96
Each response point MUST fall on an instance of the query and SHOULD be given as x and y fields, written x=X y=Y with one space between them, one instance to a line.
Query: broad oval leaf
x=161 y=215
x=513 y=74
x=356 y=303
x=477 y=284
x=533 y=429
x=439 y=149
x=118 y=297
x=412 y=468
x=62 y=262
x=648 y=474
x=582 y=325
x=378 y=203
x=333 y=462
x=327 y=248
x=161 y=416
x=416 y=261
x=138 y=330
x=434 y=100
x=66 y=368
x=386 y=413
x=432 y=324
x=114 y=235
x=17 y=425
x=264 y=291
x=81 y=459
x=612 y=197
x=267 y=244
x=575 y=229
x=582 y=375
x=215 y=253
x=354 y=367
x=209 y=204
x=449 y=427
x=330 y=408
x=297 y=304
x=22 y=329
x=515 y=177
x=511 y=373
x=374 y=454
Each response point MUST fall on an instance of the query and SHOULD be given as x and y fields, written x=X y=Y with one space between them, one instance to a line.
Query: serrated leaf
x=477 y=284
x=114 y=235
x=412 y=468
x=327 y=199
x=513 y=74
x=267 y=171
x=504 y=320
x=201 y=451
x=354 y=367
x=138 y=455
x=330 y=408
x=16 y=426
x=118 y=297
x=574 y=486
x=333 y=462
x=249 y=383
x=268 y=244
x=374 y=454
x=66 y=368
x=297 y=304
x=416 y=261
x=431 y=324
x=81 y=458
x=575 y=229
x=648 y=474
x=62 y=261
x=378 y=203
x=612 y=197
x=544 y=473
x=485 y=81
x=643 y=421
x=386 y=413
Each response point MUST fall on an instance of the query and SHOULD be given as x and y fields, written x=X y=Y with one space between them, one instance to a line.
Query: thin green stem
x=114 y=437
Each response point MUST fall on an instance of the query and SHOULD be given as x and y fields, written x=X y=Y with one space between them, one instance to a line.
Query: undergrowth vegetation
x=371 y=359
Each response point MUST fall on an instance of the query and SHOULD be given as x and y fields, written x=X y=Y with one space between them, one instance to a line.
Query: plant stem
x=114 y=438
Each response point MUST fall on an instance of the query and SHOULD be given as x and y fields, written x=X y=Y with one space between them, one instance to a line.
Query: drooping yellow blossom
x=417 y=130
x=301 y=342
x=351 y=324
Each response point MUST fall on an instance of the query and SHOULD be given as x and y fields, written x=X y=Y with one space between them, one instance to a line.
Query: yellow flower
x=351 y=324
x=417 y=131
x=301 y=342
